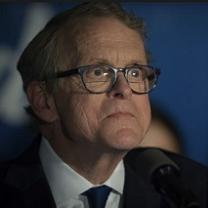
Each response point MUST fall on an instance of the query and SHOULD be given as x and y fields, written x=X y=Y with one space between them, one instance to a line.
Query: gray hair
x=46 y=53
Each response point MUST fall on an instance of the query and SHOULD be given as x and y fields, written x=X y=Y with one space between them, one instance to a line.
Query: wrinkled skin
x=92 y=132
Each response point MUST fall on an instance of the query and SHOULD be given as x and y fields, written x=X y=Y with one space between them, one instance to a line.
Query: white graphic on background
x=12 y=98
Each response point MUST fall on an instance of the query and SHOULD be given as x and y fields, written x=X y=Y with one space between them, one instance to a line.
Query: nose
x=121 y=88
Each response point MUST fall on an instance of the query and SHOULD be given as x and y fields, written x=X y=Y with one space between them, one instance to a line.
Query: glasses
x=101 y=78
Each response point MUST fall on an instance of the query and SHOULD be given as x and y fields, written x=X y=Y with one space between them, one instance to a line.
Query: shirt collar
x=67 y=183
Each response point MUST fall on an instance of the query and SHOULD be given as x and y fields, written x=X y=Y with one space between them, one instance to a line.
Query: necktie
x=97 y=196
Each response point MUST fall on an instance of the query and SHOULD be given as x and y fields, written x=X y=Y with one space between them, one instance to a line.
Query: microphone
x=164 y=174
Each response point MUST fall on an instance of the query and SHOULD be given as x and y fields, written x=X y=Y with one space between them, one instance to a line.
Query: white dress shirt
x=67 y=185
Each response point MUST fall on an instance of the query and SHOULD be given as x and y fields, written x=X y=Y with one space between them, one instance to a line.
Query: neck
x=96 y=166
x=93 y=163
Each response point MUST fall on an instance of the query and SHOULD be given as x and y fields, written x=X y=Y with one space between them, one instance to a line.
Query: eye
x=134 y=73
x=98 y=72
x=94 y=72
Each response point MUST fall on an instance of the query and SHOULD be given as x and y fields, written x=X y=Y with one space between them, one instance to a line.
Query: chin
x=124 y=140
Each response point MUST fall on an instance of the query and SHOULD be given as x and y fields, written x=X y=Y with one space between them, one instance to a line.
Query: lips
x=118 y=109
x=120 y=113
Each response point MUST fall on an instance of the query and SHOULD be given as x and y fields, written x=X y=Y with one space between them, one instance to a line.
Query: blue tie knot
x=97 y=196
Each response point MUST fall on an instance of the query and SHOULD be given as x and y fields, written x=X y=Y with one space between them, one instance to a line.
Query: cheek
x=85 y=118
x=142 y=105
x=78 y=116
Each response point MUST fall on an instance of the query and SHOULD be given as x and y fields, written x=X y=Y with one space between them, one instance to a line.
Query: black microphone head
x=149 y=160
x=156 y=168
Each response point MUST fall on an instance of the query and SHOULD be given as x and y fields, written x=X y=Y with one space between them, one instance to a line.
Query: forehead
x=106 y=26
x=109 y=38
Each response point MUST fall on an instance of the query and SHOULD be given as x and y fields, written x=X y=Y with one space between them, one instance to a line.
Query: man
x=87 y=80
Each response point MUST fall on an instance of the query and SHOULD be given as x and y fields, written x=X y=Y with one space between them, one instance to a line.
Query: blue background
x=178 y=41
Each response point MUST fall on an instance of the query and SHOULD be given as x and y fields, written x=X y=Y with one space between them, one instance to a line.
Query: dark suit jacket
x=24 y=184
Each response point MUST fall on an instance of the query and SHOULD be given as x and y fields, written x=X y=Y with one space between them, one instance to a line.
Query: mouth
x=120 y=114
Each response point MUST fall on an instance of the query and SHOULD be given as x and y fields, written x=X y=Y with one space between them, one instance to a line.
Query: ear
x=41 y=101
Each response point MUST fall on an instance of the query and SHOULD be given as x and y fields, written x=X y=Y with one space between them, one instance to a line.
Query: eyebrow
x=106 y=62
x=100 y=61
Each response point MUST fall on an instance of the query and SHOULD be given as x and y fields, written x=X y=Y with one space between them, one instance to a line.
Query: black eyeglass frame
x=80 y=71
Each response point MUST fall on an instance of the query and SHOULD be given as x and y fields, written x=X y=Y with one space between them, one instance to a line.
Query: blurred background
x=178 y=42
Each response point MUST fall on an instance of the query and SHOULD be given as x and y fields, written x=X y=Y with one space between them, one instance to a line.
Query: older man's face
x=116 y=120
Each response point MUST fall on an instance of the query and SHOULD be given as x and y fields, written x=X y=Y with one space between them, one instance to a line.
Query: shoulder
x=22 y=179
x=4 y=167
x=29 y=157
x=10 y=195
x=22 y=168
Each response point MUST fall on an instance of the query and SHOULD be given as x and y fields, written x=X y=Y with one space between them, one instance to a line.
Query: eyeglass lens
x=100 y=79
